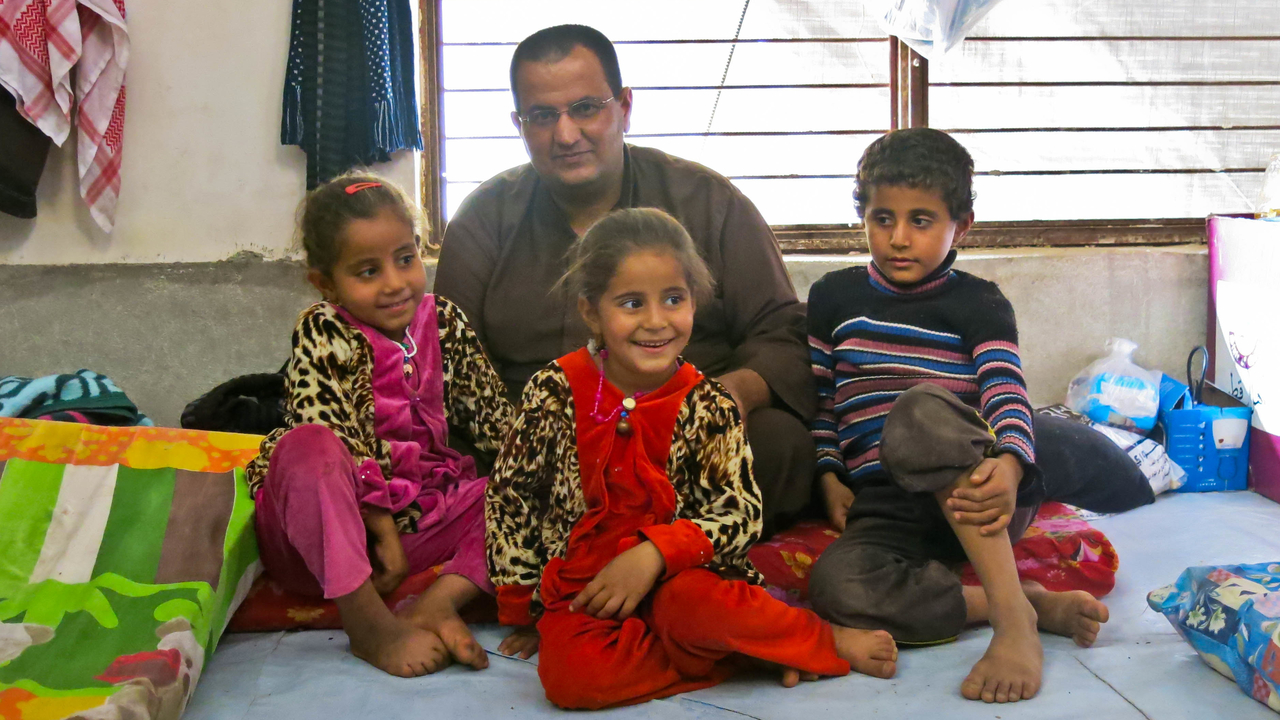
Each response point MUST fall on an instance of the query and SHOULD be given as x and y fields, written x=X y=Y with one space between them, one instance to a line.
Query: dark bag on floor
x=253 y=404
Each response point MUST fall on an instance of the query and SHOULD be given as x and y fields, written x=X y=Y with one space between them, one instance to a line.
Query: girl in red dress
x=622 y=505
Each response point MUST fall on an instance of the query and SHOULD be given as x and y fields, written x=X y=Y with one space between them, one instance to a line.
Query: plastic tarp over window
x=1108 y=109
x=1072 y=109
x=932 y=27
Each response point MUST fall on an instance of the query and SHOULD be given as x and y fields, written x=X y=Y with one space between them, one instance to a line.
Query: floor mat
x=1140 y=668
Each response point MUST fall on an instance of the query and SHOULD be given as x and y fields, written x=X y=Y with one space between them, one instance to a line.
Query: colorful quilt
x=1231 y=616
x=1060 y=551
x=125 y=551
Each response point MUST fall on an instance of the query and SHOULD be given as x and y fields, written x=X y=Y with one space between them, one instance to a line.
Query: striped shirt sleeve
x=1003 y=401
x=823 y=427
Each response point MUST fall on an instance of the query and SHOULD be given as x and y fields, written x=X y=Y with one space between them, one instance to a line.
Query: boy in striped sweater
x=923 y=417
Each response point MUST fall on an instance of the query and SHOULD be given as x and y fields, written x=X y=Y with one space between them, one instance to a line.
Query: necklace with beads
x=410 y=349
x=623 y=411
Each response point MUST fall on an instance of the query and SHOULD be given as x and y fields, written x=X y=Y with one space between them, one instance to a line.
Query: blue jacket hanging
x=349 y=94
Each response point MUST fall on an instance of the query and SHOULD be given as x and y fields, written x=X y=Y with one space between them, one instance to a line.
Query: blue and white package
x=1116 y=391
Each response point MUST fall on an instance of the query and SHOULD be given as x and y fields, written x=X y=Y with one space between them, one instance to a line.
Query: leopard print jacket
x=330 y=376
x=535 y=497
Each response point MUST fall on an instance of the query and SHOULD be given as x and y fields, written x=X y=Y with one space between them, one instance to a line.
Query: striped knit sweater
x=871 y=340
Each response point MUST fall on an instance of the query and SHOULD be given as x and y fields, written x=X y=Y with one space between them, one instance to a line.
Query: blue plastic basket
x=1206 y=431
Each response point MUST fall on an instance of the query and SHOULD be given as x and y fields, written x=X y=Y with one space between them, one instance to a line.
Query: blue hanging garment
x=349 y=94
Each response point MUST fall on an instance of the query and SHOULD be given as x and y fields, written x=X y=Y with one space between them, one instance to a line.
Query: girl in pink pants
x=362 y=489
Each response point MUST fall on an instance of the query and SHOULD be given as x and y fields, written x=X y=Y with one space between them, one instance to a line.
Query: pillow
x=1083 y=468
x=1059 y=550
x=269 y=608
x=125 y=551
x=1230 y=614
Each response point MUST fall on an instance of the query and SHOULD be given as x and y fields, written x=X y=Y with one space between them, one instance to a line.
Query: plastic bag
x=1269 y=199
x=1116 y=391
x=932 y=27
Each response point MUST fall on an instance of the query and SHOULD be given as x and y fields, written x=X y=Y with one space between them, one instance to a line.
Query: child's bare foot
x=436 y=614
x=1010 y=669
x=1075 y=614
x=870 y=652
x=384 y=640
x=399 y=648
x=791 y=677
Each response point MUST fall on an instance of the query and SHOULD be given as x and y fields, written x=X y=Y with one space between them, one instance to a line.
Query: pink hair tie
x=354 y=188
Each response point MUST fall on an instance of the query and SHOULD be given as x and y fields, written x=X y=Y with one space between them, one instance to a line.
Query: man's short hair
x=555 y=43
x=918 y=158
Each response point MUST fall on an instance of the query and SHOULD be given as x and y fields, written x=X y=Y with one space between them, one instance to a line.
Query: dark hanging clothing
x=349 y=94
x=23 y=149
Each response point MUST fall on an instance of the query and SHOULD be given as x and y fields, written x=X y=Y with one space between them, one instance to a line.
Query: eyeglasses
x=579 y=112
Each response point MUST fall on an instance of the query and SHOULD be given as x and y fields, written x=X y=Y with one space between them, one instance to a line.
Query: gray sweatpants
x=889 y=569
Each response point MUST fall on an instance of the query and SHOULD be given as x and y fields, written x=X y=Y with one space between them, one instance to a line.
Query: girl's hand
x=838 y=498
x=622 y=584
x=991 y=501
x=522 y=642
x=386 y=553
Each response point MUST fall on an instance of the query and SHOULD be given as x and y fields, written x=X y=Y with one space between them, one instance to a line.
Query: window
x=784 y=112
x=1082 y=113
x=1107 y=109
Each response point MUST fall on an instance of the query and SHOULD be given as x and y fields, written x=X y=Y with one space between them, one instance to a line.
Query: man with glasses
x=504 y=251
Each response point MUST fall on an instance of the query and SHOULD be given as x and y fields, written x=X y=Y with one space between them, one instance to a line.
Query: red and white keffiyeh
x=40 y=42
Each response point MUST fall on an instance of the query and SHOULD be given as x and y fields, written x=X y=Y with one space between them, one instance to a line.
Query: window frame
x=909 y=107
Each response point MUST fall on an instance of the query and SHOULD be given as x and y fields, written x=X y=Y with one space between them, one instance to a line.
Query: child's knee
x=310 y=455
x=931 y=438
x=872 y=589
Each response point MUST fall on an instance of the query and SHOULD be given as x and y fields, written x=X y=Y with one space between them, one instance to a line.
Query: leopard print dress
x=535 y=496
x=330 y=383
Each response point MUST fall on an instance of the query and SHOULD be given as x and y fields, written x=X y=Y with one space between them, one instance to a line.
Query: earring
x=595 y=345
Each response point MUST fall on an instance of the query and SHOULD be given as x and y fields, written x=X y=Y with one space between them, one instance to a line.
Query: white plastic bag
x=932 y=27
x=1116 y=391
x=1269 y=199
x=1162 y=473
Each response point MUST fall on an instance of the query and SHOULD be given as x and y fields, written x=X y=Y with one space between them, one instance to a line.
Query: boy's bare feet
x=870 y=652
x=436 y=612
x=1075 y=614
x=384 y=640
x=1010 y=669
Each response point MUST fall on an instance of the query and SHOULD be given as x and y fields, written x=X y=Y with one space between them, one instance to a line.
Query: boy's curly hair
x=918 y=158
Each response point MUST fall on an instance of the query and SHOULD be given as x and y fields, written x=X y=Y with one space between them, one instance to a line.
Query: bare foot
x=1010 y=669
x=1075 y=614
x=791 y=677
x=438 y=616
x=399 y=648
x=384 y=640
x=870 y=652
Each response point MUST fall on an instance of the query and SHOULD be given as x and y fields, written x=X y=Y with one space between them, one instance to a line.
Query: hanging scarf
x=40 y=42
x=354 y=103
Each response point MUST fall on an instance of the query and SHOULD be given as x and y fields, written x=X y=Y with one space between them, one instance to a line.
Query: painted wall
x=204 y=174
x=168 y=333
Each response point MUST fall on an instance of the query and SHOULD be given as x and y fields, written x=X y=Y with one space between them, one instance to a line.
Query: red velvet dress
x=693 y=619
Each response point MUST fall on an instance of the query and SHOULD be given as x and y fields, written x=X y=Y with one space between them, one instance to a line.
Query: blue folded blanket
x=83 y=396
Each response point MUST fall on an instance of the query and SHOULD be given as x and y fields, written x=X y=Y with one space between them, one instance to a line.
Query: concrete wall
x=204 y=175
x=167 y=333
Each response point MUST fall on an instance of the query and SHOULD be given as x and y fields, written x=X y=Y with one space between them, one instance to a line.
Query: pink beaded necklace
x=623 y=410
